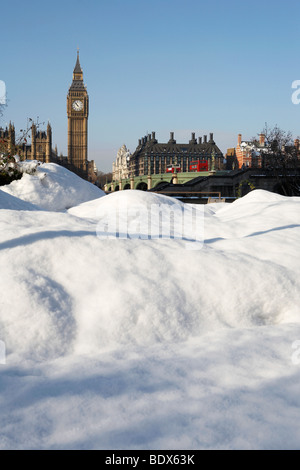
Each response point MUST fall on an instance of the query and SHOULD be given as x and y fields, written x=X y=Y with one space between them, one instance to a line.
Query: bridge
x=147 y=182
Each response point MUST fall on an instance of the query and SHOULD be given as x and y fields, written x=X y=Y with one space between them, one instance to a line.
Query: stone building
x=78 y=112
x=92 y=171
x=120 y=168
x=39 y=149
x=152 y=157
x=41 y=146
x=8 y=138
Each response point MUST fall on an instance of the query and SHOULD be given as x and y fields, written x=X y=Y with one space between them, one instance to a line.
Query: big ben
x=78 y=111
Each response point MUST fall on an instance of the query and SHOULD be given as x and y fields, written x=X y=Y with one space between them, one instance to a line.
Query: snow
x=144 y=343
x=51 y=187
x=11 y=202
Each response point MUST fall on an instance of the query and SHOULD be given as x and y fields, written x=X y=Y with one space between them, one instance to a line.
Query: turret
x=49 y=143
x=11 y=137
x=77 y=72
x=33 y=141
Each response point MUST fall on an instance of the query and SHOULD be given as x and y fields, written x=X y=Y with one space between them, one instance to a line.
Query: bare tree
x=11 y=152
x=103 y=178
x=280 y=156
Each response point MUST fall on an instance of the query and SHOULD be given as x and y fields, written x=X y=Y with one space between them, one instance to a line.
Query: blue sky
x=161 y=65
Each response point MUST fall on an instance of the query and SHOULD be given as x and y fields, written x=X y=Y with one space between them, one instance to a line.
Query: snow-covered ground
x=51 y=187
x=136 y=343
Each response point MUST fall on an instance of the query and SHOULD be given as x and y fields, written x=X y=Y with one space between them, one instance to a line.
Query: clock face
x=77 y=105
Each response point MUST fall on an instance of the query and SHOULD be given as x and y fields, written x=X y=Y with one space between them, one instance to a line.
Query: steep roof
x=77 y=68
x=77 y=83
x=150 y=146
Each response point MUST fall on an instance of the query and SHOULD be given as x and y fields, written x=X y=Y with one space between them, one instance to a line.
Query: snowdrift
x=52 y=187
x=78 y=292
x=134 y=200
x=14 y=203
x=144 y=343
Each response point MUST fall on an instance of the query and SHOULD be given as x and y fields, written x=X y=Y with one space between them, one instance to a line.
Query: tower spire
x=77 y=68
x=77 y=82
x=77 y=111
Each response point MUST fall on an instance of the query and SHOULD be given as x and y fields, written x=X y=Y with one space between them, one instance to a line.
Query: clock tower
x=78 y=111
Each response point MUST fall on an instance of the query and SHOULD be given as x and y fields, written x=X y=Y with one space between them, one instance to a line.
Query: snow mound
x=87 y=210
x=201 y=346
x=123 y=200
x=258 y=203
x=261 y=195
x=52 y=187
x=140 y=198
x=80 y=292
x=13 y=203
x=138 y=214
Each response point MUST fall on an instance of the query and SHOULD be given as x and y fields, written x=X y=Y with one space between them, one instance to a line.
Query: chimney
x=199 y=140
x=153 y=135
x=239 y=139
x=205 y=139
x=172 y=140
x=211 y=137
x=140 y=142
x=193 y=139
x=262 y=140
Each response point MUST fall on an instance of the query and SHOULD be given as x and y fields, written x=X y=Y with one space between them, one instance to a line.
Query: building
x=8 y=138
x=92 y=172
x=229 y=185
x=39 y=149
x=78 y=112
x=152 y=157
x=230 y=159
x=258 y=154
x=249 y=154
x=120 y=168
x=41 y=146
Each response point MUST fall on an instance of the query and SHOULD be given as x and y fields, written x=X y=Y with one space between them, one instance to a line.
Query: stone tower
x=78 y=111
x=11 y=137
x=41 y=144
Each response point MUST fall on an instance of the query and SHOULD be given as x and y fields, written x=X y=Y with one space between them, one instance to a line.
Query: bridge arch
x=160 y=182
x=127 y=186
x=142 y=186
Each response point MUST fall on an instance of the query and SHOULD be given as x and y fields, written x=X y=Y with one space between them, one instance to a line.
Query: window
x=157 y=164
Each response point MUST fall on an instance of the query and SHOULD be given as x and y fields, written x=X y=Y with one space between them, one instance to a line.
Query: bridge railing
x=211 y=196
